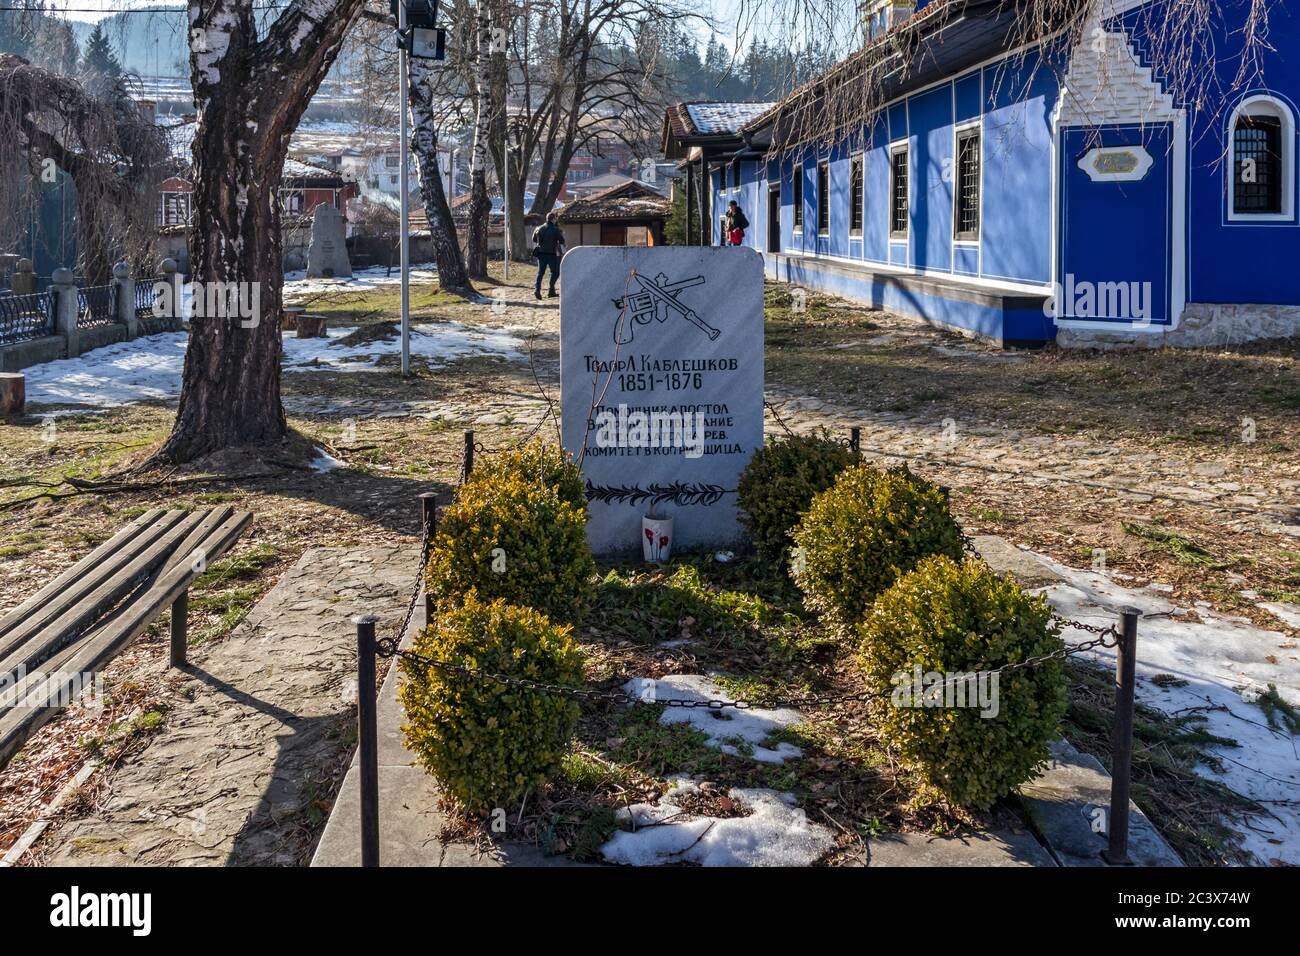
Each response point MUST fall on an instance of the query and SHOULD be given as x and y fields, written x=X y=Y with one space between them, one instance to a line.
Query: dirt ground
x=1173 y=466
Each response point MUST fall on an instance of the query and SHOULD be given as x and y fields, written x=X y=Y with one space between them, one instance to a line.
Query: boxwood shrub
x=948 y=617
x=484 y=742
x=538 y=461
x=779 y=484
x=864 y=531
x=511 y=537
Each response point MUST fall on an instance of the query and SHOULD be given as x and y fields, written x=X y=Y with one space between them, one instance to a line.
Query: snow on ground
x=297 y=285
x=735 y=732
x=149 y=368
x=1227 y=663
x=775 y=833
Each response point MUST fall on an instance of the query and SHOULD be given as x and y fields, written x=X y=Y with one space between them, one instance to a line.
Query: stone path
x=258 y=724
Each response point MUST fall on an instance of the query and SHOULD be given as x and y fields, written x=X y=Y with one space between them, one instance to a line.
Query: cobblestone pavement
x=259 y=725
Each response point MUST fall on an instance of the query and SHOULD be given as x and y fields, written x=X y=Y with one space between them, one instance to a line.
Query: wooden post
x=180 y=628
x=13 y=393
x=1121 y=744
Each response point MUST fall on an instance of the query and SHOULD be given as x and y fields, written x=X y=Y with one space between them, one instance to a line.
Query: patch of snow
x=149 y=368
x=297 y=285
x=325 y=462
x=1288 y=614
x=776 y=833
x=753 y=727
x=1227 y=663
x=440 y=342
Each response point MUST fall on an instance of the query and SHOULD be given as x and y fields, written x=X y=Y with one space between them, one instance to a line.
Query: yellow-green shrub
x=950 y=617
x=540 y=462
x=487 y=743
x=864 y=531
x=507 y=536
x=779 y=483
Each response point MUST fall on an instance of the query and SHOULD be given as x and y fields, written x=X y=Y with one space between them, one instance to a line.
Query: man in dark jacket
x=548 y=246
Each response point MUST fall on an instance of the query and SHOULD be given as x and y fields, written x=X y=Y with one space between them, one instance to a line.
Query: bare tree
x=479 y=204
x=251 y=88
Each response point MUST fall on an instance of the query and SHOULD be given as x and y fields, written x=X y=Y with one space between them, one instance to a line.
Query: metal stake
x=367 y=739
x=1122 y=738
x=467 y=465
x=855 y=439
x=429 y=527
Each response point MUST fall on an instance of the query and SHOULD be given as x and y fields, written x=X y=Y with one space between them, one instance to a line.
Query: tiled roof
x=723 y=118
x=630 y=200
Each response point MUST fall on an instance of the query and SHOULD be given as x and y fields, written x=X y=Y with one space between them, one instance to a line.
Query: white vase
x=657 y=539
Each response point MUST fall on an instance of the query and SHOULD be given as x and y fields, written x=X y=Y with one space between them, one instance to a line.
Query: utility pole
x=403 y=94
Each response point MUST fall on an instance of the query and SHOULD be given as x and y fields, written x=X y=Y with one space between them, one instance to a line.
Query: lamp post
x=404 y=247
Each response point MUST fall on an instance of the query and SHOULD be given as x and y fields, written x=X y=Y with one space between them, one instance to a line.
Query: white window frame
x=978 y=126
x=1261 y=104
x=860 y=157
x=824 y=233
x=900 y=146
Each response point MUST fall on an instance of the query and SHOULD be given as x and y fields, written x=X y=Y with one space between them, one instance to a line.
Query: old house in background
x=627 y=214
x=1055 y=192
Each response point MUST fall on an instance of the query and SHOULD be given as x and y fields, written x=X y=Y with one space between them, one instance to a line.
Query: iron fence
x=25 y=317
x=96 y=305
x=144 y=295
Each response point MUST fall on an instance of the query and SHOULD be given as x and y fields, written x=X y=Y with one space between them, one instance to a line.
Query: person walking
x=736 y=224
x=548 y=246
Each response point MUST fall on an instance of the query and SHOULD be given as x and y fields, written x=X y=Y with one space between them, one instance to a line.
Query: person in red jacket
x=736 y=224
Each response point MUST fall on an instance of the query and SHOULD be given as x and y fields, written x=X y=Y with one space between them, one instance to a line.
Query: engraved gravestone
x=661 y=382
x=327 y=256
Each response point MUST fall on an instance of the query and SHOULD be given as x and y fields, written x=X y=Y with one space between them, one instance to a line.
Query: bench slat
x=70 y=576
x=96 y=650
x=33 y=643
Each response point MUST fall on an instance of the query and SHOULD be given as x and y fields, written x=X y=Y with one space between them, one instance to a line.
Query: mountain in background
x=150 y=44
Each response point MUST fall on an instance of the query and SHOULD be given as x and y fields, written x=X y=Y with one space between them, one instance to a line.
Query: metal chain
x=389 y=649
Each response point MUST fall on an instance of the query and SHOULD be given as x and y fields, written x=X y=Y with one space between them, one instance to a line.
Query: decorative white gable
x=1107 y=84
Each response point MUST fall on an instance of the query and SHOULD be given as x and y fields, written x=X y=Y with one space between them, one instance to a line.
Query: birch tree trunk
x=479 y=204
x=250 y=94
x=452 y=274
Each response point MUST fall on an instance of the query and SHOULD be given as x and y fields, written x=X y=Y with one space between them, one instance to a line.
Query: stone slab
x=327 y=257
x=1063 y=802
x=1008 y=560
x=664 y=331
x=982 y=848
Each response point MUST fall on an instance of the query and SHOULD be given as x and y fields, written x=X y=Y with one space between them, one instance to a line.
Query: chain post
x=428 y=528
x=1122 y=738
x=855 y=440
x=467 y=462
x=367 y=739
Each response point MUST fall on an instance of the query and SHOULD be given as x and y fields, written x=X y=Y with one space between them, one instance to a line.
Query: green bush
x=779 y=483
x=862 y=533
x=540 y=462
x=484 y=742
x=507 y=536
x=949 y=617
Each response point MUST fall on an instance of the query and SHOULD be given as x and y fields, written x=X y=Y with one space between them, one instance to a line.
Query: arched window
x=1262 y=183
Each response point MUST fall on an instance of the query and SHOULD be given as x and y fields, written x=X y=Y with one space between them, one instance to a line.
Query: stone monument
x=327 y=257
x=661 y=383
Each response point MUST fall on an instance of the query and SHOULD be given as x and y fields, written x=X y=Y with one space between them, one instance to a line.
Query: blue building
x=1055 y=190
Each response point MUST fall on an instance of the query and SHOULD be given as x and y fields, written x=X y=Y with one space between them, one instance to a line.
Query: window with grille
x=1258 y=170
x=898 y=193
x=855 y=196
x=797 y=183
x=966 y=220
x=823 y=198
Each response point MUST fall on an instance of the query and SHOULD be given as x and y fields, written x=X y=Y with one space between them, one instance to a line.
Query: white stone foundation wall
x=1203 y=325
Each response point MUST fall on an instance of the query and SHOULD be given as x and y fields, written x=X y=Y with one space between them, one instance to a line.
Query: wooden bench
x=70 y=629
